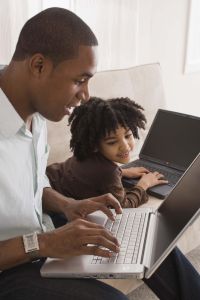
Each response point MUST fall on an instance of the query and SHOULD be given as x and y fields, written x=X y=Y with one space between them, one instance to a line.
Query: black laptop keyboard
x=171 y=177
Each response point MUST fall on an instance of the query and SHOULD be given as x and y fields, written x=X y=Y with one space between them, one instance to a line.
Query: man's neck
x=13 y=85
x=29 y=123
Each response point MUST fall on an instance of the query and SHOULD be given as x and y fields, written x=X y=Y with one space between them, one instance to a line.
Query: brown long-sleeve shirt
x=93 y=177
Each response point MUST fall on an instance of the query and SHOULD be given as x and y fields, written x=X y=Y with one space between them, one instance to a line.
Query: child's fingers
x=161 y=181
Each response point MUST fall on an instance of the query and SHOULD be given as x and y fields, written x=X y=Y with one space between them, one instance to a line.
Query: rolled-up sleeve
x=132 y=197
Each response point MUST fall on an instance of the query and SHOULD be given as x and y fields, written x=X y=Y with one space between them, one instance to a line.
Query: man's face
x=64 y=86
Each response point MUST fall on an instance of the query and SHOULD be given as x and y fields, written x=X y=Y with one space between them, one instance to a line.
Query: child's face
x=117 y=145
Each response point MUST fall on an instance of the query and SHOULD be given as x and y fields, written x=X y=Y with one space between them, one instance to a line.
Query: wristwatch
x=31 y=245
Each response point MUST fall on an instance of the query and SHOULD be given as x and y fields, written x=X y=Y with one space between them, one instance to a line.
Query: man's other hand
x=81 y=208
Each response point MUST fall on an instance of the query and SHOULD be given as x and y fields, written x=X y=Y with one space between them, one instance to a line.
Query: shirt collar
x=10 y=121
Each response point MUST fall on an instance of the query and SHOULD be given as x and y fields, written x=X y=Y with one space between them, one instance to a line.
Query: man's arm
x=73 y=209
x=53 y=201
x=61 y=243
x=12 y=253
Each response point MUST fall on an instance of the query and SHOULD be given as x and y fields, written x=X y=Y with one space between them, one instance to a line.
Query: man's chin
x=55 y=118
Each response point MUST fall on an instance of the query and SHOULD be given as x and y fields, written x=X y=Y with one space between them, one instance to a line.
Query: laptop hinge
x=162 y=164
x=150 y=240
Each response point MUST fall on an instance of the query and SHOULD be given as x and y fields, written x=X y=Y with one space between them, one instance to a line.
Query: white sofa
x=144 y=85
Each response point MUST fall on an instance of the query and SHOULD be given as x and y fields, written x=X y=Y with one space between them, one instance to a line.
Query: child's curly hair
x=95 y=119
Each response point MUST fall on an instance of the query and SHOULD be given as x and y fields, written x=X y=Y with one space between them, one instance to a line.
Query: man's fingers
x=109 y=200
x=91 y=230
x=98 y=205
x=100 y=232
x=98 y=243
x=107 y=212
x=97 y=251
x=88 y=224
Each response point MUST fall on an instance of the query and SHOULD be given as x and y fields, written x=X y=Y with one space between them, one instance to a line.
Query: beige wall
x=162 y=38
x=162 y=34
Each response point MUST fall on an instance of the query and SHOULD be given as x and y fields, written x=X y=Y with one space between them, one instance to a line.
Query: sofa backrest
x=141 y=83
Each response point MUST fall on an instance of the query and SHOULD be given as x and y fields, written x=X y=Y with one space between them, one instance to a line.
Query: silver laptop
x=146 y=235
x=170 y=146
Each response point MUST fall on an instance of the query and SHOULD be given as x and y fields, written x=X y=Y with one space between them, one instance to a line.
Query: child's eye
x=111 y=143
x=128 y=135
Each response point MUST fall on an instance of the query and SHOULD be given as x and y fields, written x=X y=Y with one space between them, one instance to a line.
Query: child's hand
x=134 y=172
x=151 y=179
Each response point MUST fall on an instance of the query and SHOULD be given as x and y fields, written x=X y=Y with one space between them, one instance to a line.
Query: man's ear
x=38 y=64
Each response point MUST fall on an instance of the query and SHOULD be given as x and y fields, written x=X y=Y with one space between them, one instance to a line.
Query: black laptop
x=171 y=145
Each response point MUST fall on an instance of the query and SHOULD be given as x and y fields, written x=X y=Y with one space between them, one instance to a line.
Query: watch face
x=31 y=242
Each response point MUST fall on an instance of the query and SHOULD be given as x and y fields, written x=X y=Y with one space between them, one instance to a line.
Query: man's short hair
x=56 y=33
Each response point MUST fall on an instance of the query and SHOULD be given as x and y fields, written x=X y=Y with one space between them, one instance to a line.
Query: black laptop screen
x=173 y=139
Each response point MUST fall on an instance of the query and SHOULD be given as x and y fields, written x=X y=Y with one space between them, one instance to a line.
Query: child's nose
x=124 y=146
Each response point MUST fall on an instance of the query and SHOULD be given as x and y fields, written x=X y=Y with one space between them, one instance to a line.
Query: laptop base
x=159 y=191
x=54 y=268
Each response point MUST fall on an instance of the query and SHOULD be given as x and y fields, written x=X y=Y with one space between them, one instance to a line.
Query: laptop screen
x=176 y=212
x=173 y=139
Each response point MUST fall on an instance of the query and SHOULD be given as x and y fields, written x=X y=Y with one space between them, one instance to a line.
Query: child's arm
x=134 y=172
x=132 y=197
x=135 y=196
x=55 y=173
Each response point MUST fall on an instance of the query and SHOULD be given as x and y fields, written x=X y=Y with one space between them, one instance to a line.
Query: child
x=103 y=135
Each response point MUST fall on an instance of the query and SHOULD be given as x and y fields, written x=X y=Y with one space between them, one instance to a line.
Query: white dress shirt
x=23 y=159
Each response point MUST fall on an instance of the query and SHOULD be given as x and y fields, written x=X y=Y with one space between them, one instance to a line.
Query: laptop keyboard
x=128 y=228
x=171 y=177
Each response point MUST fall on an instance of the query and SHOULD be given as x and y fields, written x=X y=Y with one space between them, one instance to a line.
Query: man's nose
x=84 y=94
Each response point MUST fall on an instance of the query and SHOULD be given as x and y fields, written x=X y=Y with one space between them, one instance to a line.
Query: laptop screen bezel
x=154 y=159
x=193 y=171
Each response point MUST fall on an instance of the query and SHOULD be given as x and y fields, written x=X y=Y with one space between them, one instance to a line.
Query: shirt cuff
x=144 y=195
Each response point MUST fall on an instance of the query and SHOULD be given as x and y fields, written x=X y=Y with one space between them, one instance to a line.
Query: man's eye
x=79 y=82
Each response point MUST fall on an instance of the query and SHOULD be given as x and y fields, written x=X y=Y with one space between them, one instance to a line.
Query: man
x=54 y=59
x=48 y=74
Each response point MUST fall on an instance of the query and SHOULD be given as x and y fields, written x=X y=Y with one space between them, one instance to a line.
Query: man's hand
x=134 y=172
x=76 y=238
x=81 y=208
